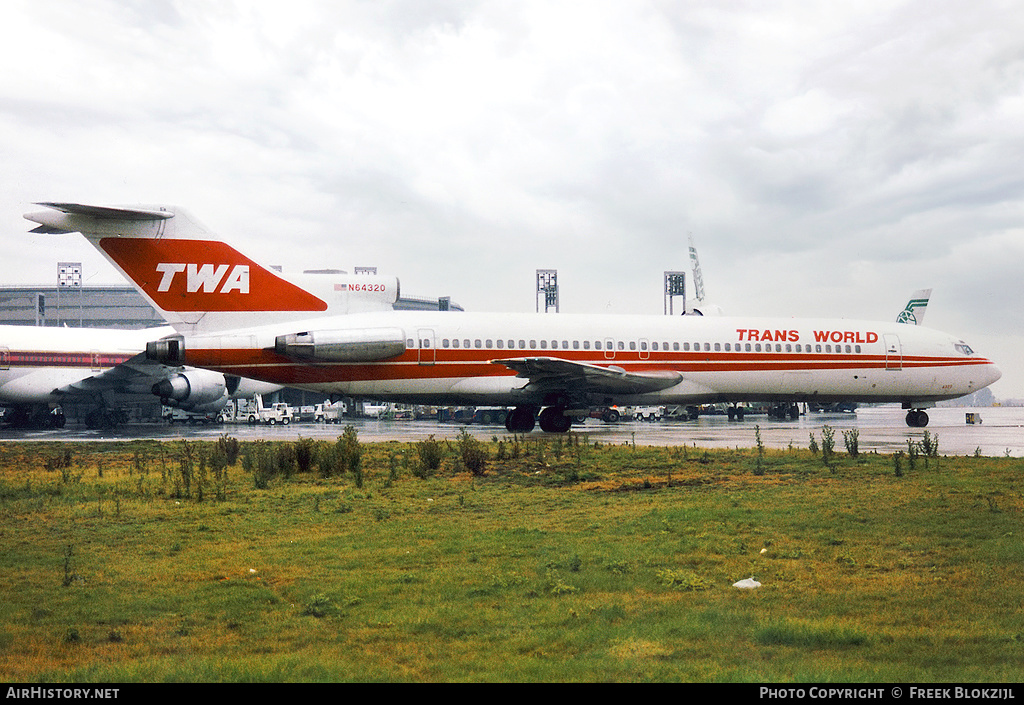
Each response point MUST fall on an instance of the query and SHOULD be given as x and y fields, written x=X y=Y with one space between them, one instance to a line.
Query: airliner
x=42 y=368
x=339 y=334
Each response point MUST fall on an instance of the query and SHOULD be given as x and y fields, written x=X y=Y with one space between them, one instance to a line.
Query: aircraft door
x=645 y=349
x=609 y=349
x=893 y=352
x=427 y=350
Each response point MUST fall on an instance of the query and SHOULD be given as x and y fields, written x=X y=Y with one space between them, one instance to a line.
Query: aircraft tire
x=917 y=418
x=520 y=420
x=554 y=420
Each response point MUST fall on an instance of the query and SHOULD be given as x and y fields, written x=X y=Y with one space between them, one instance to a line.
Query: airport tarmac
x=880 y=429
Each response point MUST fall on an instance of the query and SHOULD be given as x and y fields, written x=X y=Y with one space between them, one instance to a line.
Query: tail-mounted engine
x=169 y=351
x=355 y=345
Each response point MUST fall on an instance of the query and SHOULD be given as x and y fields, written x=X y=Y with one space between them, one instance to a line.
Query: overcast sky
x=828 y=158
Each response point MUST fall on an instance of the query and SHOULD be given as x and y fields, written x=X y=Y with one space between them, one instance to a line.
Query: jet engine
x=353 y=345
x=192 y=389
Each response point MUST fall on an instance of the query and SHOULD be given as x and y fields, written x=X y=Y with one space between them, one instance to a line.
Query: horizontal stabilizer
x=108 y=212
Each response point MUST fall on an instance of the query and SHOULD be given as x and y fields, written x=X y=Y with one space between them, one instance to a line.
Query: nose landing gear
x=917 y=418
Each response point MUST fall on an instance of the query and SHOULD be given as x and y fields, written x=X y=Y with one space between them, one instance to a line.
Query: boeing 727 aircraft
x=339 y=335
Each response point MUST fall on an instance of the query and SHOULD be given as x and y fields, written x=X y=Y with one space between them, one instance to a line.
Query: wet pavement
x=880 y=429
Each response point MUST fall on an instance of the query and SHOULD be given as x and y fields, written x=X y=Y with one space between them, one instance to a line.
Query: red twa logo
x=204 y=275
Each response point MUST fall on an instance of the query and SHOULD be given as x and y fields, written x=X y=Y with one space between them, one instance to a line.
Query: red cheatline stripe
x=40 y=358
x=473 y=364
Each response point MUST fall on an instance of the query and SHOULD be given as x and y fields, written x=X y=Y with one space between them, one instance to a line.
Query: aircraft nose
x=991 y=374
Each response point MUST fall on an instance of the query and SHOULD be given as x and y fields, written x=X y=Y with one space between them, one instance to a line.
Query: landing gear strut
x=916 y=418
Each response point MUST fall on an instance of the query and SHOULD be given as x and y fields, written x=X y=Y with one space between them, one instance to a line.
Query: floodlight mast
x=547 y=284
x=675 y=285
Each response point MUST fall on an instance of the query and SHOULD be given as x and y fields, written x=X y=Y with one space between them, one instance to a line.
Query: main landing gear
x=521 y=419
x=552 y=419
x=916 y=418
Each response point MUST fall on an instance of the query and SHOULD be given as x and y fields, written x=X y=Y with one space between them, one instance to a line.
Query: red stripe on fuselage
x=269 y=366
x=50 y=358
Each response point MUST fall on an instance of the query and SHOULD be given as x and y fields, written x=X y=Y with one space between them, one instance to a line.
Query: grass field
x=556 y=560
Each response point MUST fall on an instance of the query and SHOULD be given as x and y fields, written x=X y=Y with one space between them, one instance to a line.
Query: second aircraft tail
x=913 y=312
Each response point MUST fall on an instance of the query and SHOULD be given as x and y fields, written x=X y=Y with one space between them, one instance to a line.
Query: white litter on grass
x=748 y=584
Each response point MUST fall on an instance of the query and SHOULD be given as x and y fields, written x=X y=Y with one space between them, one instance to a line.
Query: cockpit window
x=963 y=348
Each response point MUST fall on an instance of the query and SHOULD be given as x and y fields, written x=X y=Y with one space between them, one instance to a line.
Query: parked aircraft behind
x=234 y=316
x=41 y=368
x=913 y=312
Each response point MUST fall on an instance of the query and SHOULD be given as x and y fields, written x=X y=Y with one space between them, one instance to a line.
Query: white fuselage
x=449 y=358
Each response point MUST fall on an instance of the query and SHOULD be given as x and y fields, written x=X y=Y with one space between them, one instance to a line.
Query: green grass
x=565 y=561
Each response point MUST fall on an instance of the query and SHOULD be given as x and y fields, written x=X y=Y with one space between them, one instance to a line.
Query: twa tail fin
x=913 y=312
x=201 y=284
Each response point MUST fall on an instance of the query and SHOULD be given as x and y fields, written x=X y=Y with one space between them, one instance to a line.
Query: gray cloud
x=828 y=159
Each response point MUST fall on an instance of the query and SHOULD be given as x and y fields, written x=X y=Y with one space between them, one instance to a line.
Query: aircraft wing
x=553 y=374
x=133 y=376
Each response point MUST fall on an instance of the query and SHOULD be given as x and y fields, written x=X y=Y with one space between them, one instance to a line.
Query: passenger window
x=575 y=345
x=465 y=343
x=501 y=344
x=707 y=347
x=789 y=348
x=477 y=343
x=409 y=343
x=757 y=347
x=817 y=348
x=426 y=342
x=728 y=347
x=444 y=343
x=856 y=348
x=675 y=346
x=586 y=345
x=522 y=344
x=718 y=347
x=632 y=345
x=747 y=347
x=654 y=346
x=544 y=344
x=597 y=345
x=533 y=344
x=622 y=345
